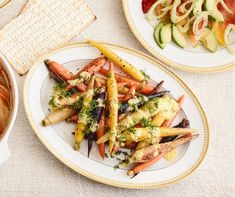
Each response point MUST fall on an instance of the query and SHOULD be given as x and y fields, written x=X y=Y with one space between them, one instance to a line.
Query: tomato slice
x=228 y=17
x=147 y=4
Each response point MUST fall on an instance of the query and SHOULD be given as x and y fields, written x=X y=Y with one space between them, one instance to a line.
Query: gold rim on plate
x=165 y=60
x=91 y=175
x=4 y=3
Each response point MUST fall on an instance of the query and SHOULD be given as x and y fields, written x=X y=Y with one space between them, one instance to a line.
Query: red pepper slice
x=147 y=4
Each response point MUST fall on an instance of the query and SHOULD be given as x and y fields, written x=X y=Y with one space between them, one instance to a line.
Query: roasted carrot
x=139 y=86
x=158 y=87
x=99 y=134
x=73 y=118
x=113 y=106
x=123 y=64
x=130 y=94
x=92 y=66
x=130 y=145
x=134 y=171
x=58 y=69
x=98 y=84
x=167 y=123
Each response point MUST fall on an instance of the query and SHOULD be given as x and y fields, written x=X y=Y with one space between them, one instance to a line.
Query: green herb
x=116 y=167
x=146 y=76
x=59 y=86
x=145 y=122
x=52 y=101
x=93 y=104
x=78 y=105
x=132 y=130
x=106 y=155
x=86 y=131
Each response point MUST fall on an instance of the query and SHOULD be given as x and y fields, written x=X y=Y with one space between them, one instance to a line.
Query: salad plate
x=186 y=57
x=59 y=138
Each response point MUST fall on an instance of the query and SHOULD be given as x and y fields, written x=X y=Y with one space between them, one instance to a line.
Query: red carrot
x=100 y=132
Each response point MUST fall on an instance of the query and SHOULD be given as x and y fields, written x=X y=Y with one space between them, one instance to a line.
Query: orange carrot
x=130 y=94
x=80 y=87
x=100 y=132
x=137 y=169
x=92 y=66
x=59 y=70
x=139 y=86
x=98 y=84
x=121 y=84
x=130 y=145
x=167 y=123
x=73 y=118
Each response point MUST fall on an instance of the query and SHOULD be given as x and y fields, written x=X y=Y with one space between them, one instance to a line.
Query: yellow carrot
x=82 y=119
x=113 y=106
x=123 y=64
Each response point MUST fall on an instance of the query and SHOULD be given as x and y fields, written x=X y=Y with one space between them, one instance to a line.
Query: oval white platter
x=59 y=139
x=190 y=59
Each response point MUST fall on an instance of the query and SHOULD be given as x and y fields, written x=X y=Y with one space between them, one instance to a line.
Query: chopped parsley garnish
x=106 y=155
x=116 y=167
x=145 y=122
x=78 y=105
x=146 y=76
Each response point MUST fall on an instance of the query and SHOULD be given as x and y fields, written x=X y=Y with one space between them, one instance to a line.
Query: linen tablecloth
x=33 y=171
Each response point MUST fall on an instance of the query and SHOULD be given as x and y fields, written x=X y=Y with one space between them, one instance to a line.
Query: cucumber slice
x=210 y=41
x=211 y=6
x=156 y=35
x=165 y=33
x=178 y=37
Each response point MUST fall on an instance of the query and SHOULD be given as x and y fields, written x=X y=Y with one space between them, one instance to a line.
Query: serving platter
x=4 y=3
x=59 y=139
x=190 y=59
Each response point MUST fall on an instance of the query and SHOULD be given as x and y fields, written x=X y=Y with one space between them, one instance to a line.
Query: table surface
x=33 y=171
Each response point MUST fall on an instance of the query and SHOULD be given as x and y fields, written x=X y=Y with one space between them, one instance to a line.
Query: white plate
x=4 y=2
x=190 y=59
x=59 y=139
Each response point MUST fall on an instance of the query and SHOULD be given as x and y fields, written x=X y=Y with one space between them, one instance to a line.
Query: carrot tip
x=130 y=173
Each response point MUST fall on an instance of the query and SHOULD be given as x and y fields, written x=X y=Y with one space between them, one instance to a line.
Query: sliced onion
x=227 y=31
x=174 y=17
x=151 y=15
x=166 y=8
x=203 y=16
x=166 y=3
x=182 y=8
x=184 y=28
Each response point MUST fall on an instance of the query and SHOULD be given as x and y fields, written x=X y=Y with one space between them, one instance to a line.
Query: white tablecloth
x=33 y=171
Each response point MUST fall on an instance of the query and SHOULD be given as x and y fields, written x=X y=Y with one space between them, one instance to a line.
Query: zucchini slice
x=178 y=37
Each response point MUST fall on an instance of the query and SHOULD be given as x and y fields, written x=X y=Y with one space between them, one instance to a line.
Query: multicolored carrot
x=139 y=86
x=123 y=64
x=113 y=106
x=100 y=132
x=59 y=70
x=168 y=123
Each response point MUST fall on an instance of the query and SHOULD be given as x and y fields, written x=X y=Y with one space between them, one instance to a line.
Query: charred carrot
x=59 y=70
x=99 y=134
x=139 y=86
x=167 y=123
x=158 y=87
